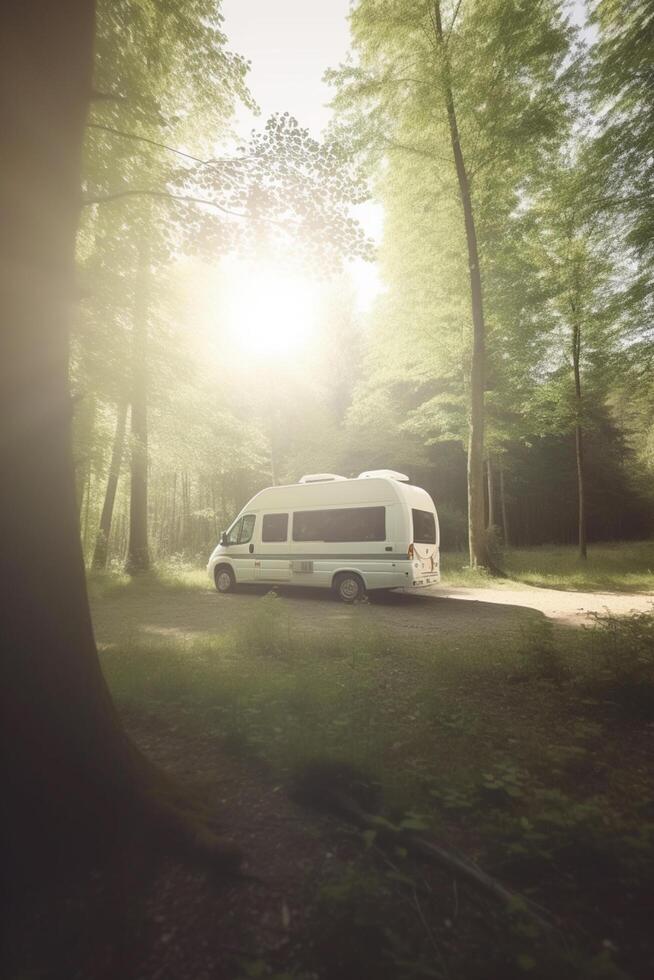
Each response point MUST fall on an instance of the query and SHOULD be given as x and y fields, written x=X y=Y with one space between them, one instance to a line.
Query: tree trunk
x=138 y=555
x=173 y=535
x=102 y=539
x=579 y=440
x=476 y=511
x=186 y=513
x=62 y=741
x=491 y=494
x=87 y=508
x=71 y=779
x=505 y=519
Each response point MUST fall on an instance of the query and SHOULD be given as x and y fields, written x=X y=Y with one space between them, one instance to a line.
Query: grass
x=529 y=754
x=614 y=567
x=621 y=566
x=170 y=576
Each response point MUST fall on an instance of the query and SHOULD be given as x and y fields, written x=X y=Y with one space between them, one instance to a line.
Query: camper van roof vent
x=320 y=478
x=384 y=474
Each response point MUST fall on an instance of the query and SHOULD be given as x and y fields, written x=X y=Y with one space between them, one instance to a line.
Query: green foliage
x=625 y=648
x=397 y=393
x=507 y=771
x=617 y=567
x=392 y=104
x=622 y=78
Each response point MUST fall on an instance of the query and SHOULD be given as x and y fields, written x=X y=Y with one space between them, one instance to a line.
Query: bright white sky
x=291 y=43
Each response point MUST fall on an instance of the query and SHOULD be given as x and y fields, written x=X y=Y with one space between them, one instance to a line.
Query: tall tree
x=621 y=167
x=138 y=555
x=578 y=315
x=622 y=85
x=479 y=553
x=101 y=549
x=71 y=777
x=474 y=95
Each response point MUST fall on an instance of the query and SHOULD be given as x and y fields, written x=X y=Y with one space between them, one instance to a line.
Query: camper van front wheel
x=224 y=578
x=349 y=587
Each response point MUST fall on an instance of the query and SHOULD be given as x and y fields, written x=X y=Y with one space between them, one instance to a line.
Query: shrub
x=624 y=647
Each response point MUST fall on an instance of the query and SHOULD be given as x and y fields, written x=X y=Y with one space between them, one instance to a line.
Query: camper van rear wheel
x=224 y=578
x=349 y=587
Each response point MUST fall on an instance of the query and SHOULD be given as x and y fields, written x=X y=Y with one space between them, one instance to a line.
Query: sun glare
x=269 y=311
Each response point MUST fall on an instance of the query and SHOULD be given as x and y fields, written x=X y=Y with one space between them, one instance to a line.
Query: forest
x=202 y=298
x=556 y=378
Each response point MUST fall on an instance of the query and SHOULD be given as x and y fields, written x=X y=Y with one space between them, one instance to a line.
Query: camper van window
x=274 y=527
x=342 y=524
x=232 y=535
x=424 y=527
x=241 y=533
x=247 y=529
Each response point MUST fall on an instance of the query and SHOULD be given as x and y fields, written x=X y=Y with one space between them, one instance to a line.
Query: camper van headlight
x=411 y=551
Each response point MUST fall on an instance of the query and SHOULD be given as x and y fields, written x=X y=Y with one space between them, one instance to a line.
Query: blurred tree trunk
x=491 y=493
x=102 y=539
x=138 y=554
x=186 y=512
x=579 y=437
x=478 y=544
x=87 y=507
x=65 y=753
x=173 y=536
x=505 y=518
x=71 y=779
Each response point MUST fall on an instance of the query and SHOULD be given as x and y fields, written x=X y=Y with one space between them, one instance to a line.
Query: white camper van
x=373 y=532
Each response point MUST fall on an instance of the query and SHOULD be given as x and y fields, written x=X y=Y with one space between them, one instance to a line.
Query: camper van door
x=272 y=559
x=240 y=546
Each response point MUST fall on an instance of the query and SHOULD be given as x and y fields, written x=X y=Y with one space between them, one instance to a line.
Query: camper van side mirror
x=223 y=538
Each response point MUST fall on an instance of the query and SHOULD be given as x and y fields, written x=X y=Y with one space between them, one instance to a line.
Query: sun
x=269 y=311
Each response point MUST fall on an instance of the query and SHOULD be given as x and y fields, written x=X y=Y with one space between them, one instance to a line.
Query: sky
x=291 y=43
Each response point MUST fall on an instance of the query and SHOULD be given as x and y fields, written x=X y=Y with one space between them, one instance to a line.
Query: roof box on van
x=384 y=474
x=320 y=478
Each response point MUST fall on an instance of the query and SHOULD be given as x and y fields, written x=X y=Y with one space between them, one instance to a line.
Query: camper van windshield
x=340 y=524
x=424 y=527
x=241 y=533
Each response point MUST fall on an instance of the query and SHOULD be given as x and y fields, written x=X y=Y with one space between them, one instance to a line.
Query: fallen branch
x=335 y=787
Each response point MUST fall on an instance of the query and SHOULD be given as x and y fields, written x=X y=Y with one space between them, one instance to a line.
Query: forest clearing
x=525 y=746
x=181 y=601
x=327 y=491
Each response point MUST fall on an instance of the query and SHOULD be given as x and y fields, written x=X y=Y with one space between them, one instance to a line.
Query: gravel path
x=568 y=607
x=449 y=611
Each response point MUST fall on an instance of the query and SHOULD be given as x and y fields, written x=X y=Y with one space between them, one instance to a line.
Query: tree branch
x=453 y=21
x=165 y=146
x=185 y=199
x=166 y=195
x=396 y=145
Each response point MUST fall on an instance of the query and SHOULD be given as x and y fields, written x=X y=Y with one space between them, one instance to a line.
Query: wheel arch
x=350 y=571
x=223 y=563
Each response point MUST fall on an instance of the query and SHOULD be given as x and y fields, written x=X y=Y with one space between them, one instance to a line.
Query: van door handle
x=251 y=548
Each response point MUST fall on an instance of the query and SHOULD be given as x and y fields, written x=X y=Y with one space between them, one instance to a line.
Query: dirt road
x=449 y=612
x=566 y=607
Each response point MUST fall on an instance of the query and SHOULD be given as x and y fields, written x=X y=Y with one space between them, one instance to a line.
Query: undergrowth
x=529 y=754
